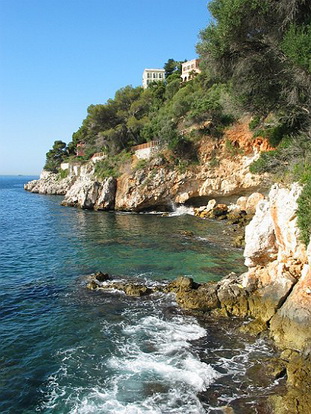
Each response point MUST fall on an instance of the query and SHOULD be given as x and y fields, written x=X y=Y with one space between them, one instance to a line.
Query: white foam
x=153 y=370
x=98 y=402
x=181 y=211
x=165 y=353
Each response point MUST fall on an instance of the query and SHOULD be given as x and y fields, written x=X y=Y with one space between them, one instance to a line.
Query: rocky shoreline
x=275 y=292
x=274 y=295
x=158 y=183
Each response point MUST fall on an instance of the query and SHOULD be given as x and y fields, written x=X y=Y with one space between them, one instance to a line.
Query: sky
x=57 y=57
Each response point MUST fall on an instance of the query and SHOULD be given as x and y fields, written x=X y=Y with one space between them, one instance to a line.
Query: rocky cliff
x=222 y=170
x=276 y=289
x=275 y=293
x=279 y=272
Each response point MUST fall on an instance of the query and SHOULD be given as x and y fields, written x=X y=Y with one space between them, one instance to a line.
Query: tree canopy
x=264 y=48
x=55 y=156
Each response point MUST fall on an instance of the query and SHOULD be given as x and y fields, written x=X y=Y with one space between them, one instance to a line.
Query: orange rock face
x=242 y=137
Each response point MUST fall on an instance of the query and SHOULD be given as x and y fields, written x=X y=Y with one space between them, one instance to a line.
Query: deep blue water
x=64 y=349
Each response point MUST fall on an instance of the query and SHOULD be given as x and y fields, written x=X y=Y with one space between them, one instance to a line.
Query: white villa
x=189 y=68
x=153 y=75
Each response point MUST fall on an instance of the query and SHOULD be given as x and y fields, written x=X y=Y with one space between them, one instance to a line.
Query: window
x=148 y=75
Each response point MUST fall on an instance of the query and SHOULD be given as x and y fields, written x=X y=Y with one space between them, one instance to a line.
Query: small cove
x=68 y=350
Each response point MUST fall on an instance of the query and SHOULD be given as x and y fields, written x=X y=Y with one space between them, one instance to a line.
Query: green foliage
x=304 y=212
x=111 y=166
x=214 y=162
x=263 y=48
x=62 y=174
x=172 y=66
x=141 y=164
x=231 y=149
x=55 y=156
x=291 y=161
x=182 y=148
x=106 y=168
x=267 y=162
x=296 y=45
x=255 y=122
x=275 y=134
x=171 y=88
x=116 y=125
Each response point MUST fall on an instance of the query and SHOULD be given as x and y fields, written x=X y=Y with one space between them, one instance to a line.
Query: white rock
x=260 y=242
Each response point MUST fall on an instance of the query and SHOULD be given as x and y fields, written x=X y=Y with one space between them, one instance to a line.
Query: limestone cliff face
x=279 y=274
x=223 y=170
x=87 y=193
x=159 y=185
x=81 y=188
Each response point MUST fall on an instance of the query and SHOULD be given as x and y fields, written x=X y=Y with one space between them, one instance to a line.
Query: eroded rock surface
x=87 y=193
x=50 y=183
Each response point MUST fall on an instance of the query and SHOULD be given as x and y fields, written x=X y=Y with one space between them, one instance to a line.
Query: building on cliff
x=153 y=75
x=189 y=69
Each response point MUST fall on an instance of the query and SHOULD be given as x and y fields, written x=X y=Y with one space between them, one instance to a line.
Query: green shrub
x=231 y=149
x=183 y=148
x=254 y=123
x=62 y=174
x=274 y=134
x=141 y=164
x=106 y=168
x=110 y=166
x=214 y=162
x=265 y=163
x=304 y=213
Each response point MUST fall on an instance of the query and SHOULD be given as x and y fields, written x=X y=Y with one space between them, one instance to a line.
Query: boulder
x=252 y=202
x=297 y=398
x=202 y=299
x=241 y=203
x=233 y=296
x=102 y=277
x=137 y=290
x=182 y=284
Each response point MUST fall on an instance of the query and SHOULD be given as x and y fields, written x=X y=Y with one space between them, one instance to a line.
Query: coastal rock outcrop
x=157 y=185
x=221 y=169
x=279 y=269
x=50 y=183
x=88 y=193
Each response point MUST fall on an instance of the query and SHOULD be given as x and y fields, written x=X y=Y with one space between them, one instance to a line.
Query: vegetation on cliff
x=255 y=58
x=264 y=49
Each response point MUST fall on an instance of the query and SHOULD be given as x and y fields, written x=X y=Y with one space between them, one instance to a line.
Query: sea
x=67 y=349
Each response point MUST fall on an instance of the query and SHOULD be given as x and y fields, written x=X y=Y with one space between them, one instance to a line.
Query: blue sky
x=59 y=56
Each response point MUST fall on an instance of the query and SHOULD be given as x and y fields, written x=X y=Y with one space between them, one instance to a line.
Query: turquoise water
x=64 y=349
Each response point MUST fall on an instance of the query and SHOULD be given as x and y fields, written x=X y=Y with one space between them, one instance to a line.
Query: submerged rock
x=103 y=281
x=102 y=277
